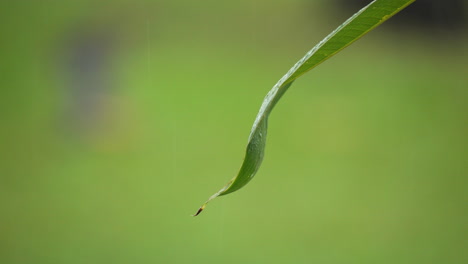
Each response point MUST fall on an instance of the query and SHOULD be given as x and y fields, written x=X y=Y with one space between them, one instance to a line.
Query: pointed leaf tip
x=199 y=210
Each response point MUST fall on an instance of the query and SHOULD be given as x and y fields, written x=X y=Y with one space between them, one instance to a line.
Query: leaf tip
x=199 y=210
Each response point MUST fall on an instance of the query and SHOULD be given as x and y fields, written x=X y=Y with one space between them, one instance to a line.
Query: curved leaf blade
x=351 y=30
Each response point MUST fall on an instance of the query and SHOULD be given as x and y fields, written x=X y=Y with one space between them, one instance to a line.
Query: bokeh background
x=120 y=118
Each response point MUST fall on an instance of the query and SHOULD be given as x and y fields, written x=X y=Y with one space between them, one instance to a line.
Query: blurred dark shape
x=90 y=52
x=430 y=15
x=86 y=62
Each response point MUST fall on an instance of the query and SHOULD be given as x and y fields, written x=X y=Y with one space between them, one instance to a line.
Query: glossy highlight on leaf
x=352 y=29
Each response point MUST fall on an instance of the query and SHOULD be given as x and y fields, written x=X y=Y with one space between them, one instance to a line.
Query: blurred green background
x=120 y=118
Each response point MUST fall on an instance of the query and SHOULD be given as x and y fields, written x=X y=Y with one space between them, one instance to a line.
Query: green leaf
x=352 y=29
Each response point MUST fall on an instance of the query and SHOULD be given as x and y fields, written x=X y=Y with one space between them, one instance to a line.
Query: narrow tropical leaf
x=352 y=29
